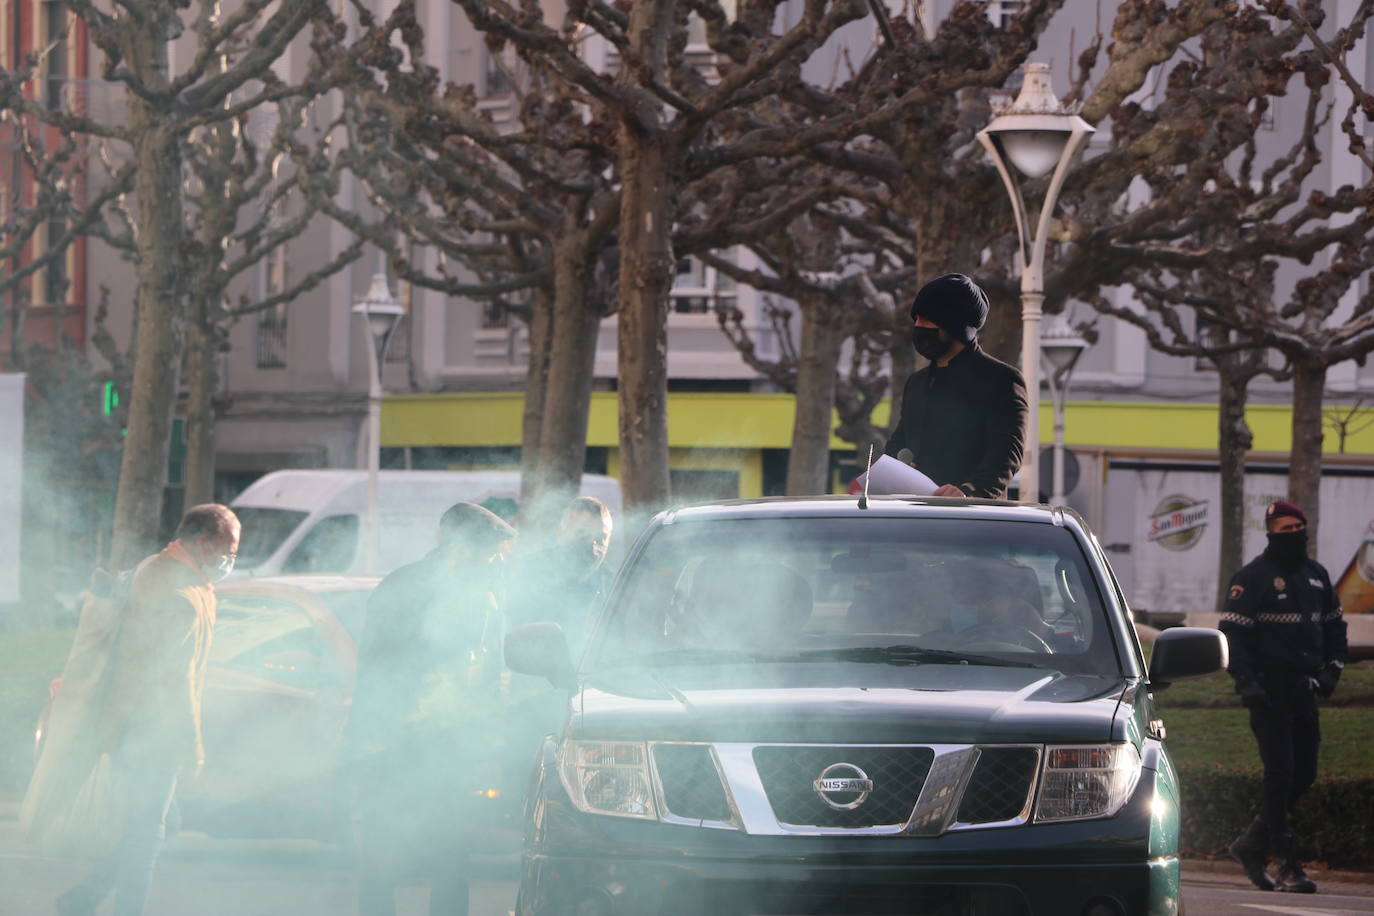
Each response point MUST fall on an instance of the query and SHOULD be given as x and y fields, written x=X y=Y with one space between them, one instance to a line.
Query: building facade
x=294 y=380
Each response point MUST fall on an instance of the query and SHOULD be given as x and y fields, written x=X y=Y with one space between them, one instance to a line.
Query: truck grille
x=999 y=785
x=788 y=775
x=691 y=786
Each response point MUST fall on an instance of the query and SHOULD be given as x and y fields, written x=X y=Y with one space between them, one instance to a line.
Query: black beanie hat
x=953 y=303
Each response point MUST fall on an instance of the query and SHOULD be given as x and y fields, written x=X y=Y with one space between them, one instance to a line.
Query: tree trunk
x=646 y=278
x=572 y=362
x=536 y=387
x=1305 y=460
x=808 y=464
x=1233 y=442
x=649 y=177
x=202 y=382
x=160 y=300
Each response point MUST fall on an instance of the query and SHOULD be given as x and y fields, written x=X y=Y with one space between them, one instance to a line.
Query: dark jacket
x=422 y=665
x=964 y=423
x=1282 y=619
x=424 y=710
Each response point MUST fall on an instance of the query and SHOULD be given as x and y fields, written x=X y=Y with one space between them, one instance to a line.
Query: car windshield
x=898 y=591
x=264 y=529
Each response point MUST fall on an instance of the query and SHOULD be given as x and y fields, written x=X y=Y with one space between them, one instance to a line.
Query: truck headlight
x=608 y=777
x=1086 y=781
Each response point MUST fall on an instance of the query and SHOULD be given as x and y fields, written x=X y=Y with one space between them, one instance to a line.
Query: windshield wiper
x=909 y=655
x=694 y=656
x=889 y=655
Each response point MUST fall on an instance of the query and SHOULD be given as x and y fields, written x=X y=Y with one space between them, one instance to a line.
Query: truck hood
x=869 y=704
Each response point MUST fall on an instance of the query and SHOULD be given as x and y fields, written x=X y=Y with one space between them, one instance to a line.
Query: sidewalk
x=1225 y=871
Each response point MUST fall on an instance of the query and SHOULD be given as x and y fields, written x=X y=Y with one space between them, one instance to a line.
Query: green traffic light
x=111 y=400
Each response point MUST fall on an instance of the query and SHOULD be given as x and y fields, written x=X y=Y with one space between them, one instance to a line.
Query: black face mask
x=1288 y=548
x=929 y=343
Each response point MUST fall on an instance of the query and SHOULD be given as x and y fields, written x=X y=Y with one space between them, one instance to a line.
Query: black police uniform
x=1287 y=645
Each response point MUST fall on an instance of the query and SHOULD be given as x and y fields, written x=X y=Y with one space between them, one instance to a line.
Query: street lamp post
x=1061 y=346
x=379 y=313
x=1034 y=135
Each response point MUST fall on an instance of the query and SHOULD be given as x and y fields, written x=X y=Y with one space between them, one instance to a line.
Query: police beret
x=1281 y=507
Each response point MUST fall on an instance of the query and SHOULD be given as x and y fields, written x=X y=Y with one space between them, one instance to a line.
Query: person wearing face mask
x=426 y=684
x=563 y=579
x=149 y=720
x=578 y=565
x=964 y=415
x=1287 y=648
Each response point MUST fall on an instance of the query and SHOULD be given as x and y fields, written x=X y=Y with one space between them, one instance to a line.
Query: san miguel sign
x=1177 y=522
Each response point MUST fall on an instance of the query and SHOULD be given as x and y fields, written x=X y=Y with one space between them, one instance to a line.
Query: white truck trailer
x=1159 y=519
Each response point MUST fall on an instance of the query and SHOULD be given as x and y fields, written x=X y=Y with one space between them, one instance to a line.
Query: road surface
x=211 y=877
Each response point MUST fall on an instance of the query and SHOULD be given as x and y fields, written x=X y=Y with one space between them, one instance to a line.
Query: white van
x=303 y=521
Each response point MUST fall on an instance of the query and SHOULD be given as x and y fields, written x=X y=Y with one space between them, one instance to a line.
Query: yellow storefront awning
x=743 y=420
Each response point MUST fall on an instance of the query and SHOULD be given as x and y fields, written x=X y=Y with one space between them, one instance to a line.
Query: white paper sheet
x=888 y=476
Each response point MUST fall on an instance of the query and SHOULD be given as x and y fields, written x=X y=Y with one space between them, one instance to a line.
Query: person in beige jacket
x=148 y=719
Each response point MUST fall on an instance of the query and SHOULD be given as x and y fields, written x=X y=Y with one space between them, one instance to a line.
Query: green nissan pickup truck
x=826 y=705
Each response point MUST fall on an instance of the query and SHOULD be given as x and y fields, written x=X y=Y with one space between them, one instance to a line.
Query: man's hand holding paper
x=889 y=476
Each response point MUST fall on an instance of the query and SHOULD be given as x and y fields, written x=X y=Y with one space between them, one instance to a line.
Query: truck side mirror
x=541 y=649
x=1181 y=653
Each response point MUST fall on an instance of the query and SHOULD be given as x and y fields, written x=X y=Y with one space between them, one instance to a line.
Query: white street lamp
x=1061 y=345
x=1034 y=134
x=379 y=312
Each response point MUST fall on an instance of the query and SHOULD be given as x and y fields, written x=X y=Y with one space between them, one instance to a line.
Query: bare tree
x=664 y=108
x=521 y=214
x=1347 y=420
x=829 y=279
x=902 y=124
x=1222 y=208
x=1171 y=308
x=228 y=52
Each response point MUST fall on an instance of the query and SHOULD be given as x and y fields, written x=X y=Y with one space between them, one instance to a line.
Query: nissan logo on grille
x=843 y=786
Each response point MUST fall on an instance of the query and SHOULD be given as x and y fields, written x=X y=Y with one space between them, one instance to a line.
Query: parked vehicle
x=798 y=706
x=307 y=521
x=1160 y=522
x=278 y=691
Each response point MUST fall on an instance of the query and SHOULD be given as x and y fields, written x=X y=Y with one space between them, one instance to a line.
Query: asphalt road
x=209 y=877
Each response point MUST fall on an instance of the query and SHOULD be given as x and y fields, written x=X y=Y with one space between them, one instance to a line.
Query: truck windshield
x=264 y=529
x=804 y=589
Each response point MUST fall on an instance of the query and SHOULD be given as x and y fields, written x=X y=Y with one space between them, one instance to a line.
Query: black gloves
x=1252 y=695
x=1327 y=678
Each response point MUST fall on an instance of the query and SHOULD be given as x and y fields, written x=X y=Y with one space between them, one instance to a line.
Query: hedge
x=1334 y=821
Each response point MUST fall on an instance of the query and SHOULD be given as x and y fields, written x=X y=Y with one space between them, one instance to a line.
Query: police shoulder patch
x=1237 y=591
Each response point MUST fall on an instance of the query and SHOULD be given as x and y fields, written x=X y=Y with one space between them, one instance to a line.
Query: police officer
x=1288 y=646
